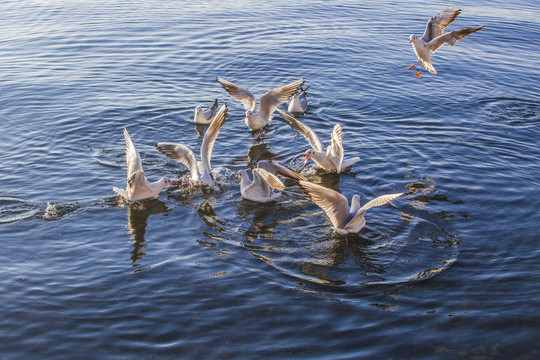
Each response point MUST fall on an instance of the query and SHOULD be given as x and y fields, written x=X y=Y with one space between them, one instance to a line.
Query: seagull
x=332 y=159
x=205 y=117
x=298 y=102
x=268 y=103
x=434 y=38
x=275 y=168
x=260 y=189
x=138 y=188
x=200 y=171
x=336 y=206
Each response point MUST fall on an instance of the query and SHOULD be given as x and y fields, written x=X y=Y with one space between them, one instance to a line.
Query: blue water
x=449 y=271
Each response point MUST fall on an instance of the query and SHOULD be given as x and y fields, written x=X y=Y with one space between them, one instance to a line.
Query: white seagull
x=201 y=171
x=203 y=116
x=336 y=206
x=256 y=119
x=260 y=189
x=332 y=158
x=434 y=38
x=138 y=188
x=298 y=102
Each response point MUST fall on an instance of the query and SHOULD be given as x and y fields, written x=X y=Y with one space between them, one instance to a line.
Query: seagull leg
x=259 y=136
x=418 y=74
x=410 y=68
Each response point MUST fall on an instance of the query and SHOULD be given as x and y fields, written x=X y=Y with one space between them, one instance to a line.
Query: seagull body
x=200 y=171
x=260 y=189
x=332 y=158
x=256 y=119
x=138 y=188
x=205 y=117
x=345 y=220
x=434 y=38
x=298 y=102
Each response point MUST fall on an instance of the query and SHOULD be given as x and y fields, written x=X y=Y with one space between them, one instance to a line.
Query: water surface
x=449 y=271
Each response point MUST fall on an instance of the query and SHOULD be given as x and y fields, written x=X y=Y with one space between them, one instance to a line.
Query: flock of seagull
x=266 y=175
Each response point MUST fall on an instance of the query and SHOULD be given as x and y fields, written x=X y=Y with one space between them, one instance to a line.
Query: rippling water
x=451 y=270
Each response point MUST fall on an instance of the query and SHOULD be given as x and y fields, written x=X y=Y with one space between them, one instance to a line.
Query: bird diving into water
x=434 y=38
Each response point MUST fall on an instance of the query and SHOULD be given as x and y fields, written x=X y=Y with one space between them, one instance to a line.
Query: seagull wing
x=137 y=184
x=210 y=137
x=277 y=169
x=270 y=101
x=133 y=159
x=272 y=180
x=436 y=24
x=451 y=38
x=333 y=203
x=182 y=154
x=305 y=130
x=239 y=93
x=378 y=201
x=334 y=152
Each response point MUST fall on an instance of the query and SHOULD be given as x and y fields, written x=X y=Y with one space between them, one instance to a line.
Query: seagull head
x=239 y=174
x=412 y=38
x=308 y=153
x=170 y=182
x=198 y=110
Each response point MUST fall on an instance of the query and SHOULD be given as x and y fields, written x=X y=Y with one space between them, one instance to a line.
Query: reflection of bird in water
x=201 y=172
x=137 y=216
x=209 y=216
x=200 y=129
x=343 y=259
x=336 y=206
x=262 y=222
x=259 y=152
x=138 y=188
x=205 y=116
x=331 y=159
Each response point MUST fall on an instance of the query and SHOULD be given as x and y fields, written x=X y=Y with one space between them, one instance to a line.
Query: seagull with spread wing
x=332 y=158
x=138 y=188
x=336 y=206
x=201 y=172
x=256 y=119
x=434 y=38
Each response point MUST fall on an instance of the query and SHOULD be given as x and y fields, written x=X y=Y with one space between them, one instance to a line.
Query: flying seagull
x=256 y=119
x=434 y=38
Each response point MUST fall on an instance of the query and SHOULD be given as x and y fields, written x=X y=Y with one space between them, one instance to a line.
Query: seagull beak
x=410 y=41
x=239 y=179
x=307 y=157
x=173 y=183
